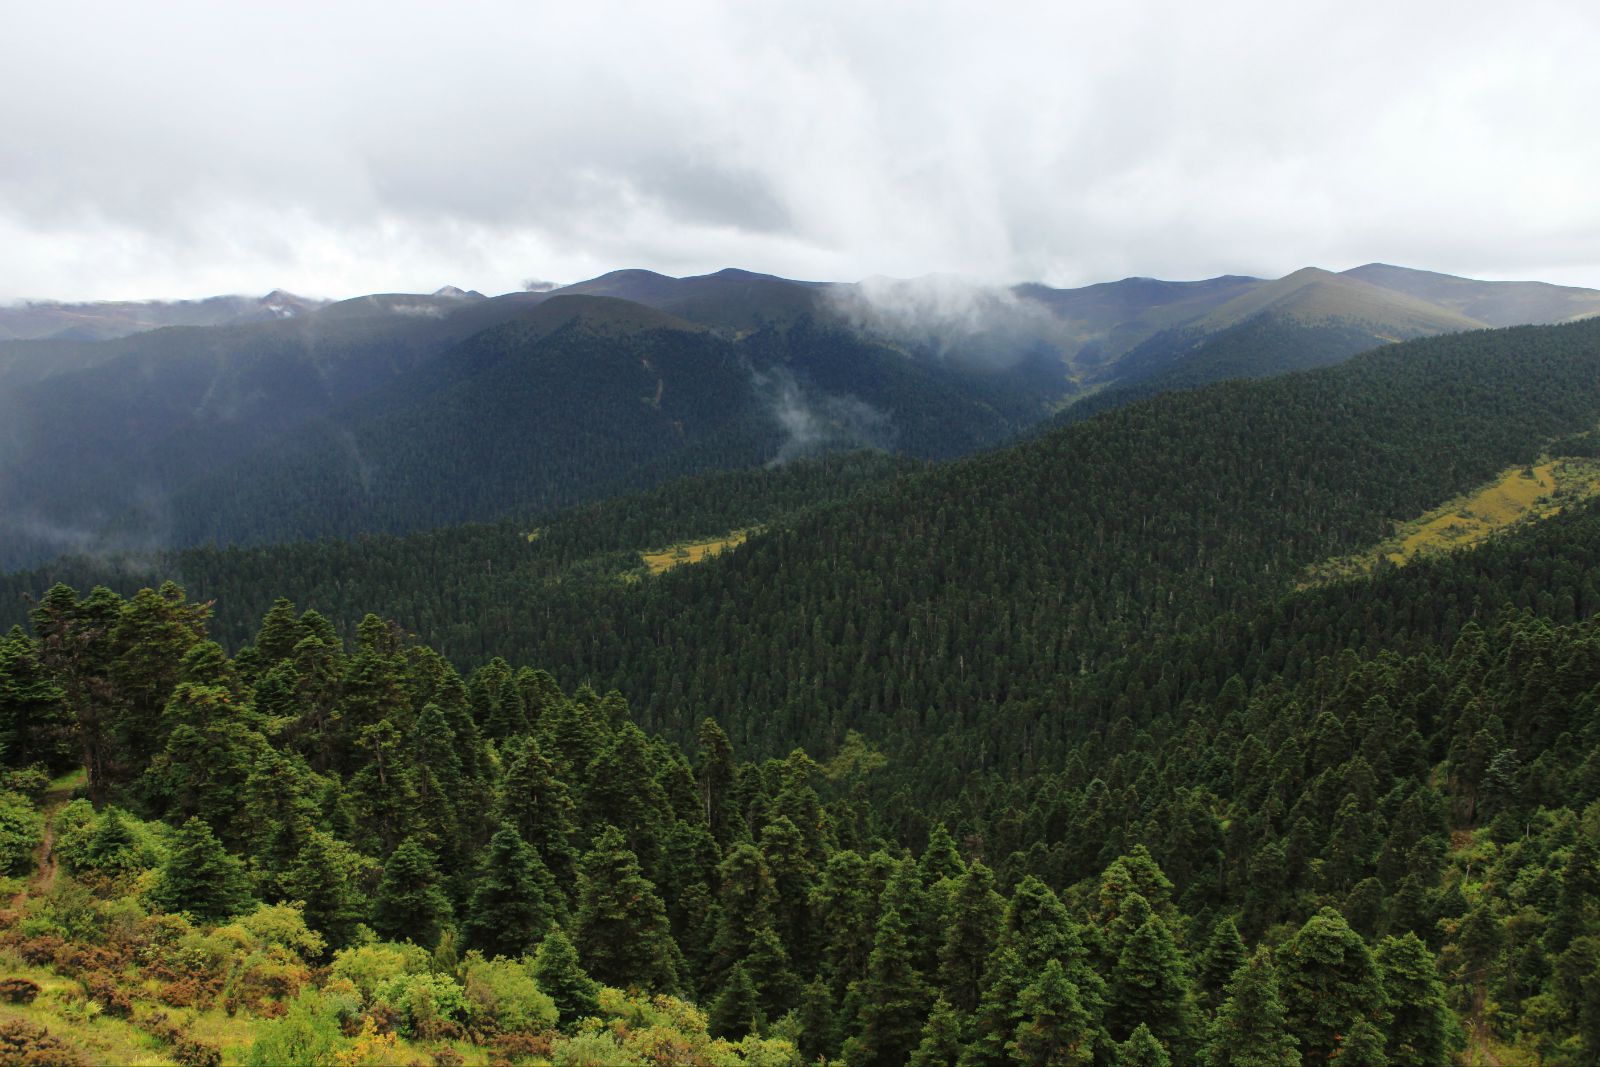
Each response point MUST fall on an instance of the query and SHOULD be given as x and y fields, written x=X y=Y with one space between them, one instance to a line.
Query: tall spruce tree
x=1150 y=987
x=1330 y=981
x=326 y=876
x=942 y=1039
x=510 y=906
x=200 y=877
x=1250 y=1028
x=1037 y=930
x=843 y=906
x=767 y=964
x=972 y=926
x=747 y=898
x=717 y=774
x=560 y=977
x=34 y=726
x=1421 y=1031
x=1224 y=955
x=819 y=1021
x=736 y=1011
x=1361 y=1047
x=894 y=999
x=794 y=877
x=538 y=805
x=622 y=932
x=410 y=903
x=1054 y=1028
x=1142 y=1050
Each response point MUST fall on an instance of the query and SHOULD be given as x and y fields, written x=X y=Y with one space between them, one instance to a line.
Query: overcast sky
x=173 y=149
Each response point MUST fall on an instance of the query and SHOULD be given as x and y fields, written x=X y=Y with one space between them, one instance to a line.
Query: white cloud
x=188 y=148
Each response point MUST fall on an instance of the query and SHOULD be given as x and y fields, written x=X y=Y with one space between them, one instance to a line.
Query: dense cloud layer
x=179 y=149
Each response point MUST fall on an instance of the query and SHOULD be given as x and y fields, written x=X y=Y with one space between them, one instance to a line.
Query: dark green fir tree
x=410 y=903
x=558 y=974
x=510 y=905
x=200 y=877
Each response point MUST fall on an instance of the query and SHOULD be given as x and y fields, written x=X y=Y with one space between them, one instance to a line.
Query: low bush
x=22 y=1043
x=191 y=1052
x=18 y=990
x=104 y=990
x=504 y=997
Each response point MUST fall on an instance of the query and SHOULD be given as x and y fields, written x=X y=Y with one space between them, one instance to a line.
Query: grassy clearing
x=70 y=1017
x=692 y=551
x=1518 y=495
x=62 y=788
x=1514 y=495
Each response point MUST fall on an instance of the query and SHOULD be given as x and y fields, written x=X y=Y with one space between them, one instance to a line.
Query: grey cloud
x=420 y=311
x=814 y=423
x=191 y=148
x=949 y=317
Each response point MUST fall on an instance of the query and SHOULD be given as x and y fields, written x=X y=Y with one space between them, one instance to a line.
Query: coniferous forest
x=1057 y=754
x=730 y=534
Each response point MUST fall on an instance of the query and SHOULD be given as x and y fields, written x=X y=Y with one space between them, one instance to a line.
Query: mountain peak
x=1315 y=295
x=282 y=304
x=1309 y=274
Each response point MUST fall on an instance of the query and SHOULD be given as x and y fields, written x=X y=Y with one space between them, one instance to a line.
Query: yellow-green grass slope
x=1516 y=496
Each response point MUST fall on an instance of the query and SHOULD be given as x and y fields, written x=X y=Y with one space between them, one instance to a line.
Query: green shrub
x=369 y=966
x=594 y=1050
x=308 y=1035
x=429 y=1005
x=283 y=925
x=503 y=995
x=67 y=910
x=21 y=830
x=111 y=842
x=30 y=782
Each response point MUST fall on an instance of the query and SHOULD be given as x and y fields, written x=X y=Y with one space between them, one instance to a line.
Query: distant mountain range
x=239 y=419
x=106 y=320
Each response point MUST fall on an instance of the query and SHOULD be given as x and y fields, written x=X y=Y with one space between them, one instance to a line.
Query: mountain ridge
x=95 y=431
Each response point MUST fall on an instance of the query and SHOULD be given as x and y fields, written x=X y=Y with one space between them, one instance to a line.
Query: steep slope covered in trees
x=354 y=417
x=1380 y=842
x=1090 y=778
x=1260 y=347
x=94 y=430
x=516 y=424
x=978 y=592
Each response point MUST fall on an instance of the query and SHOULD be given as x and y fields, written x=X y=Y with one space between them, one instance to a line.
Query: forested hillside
x=380 y=415
x=1255 y=348
x=609 y=402
x=577 y=552
x=1378 y=839
x=98 y=430
x=1053 y=609
x=1048 y=755
x=980 y=591
x=287 y=419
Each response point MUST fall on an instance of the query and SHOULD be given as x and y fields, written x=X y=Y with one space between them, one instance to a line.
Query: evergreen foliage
x=622 y=932
x=510 y=907
x=1251 y=1028
x=410 y=903
x=559 y=976
x=1075 y=787
x=200 y=877
x=1053 y=1027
